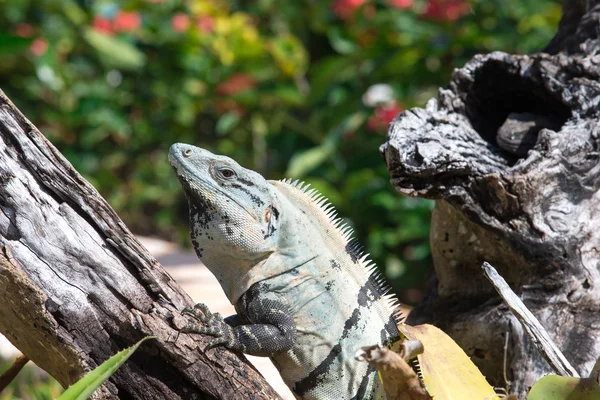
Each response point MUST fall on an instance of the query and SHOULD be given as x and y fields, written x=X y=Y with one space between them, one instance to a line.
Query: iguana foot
x=212 y=325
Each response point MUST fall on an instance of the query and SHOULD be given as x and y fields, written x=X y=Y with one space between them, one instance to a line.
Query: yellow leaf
x=448 y=373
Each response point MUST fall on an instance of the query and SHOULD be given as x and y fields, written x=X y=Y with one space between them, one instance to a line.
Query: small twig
x=506 y=382
x=8 y=375
x=533 y=328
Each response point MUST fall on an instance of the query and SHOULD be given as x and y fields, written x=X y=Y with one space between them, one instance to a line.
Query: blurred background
x=301 y=89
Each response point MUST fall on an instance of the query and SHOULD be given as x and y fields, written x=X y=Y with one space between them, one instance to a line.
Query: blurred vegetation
x=285 y=88
x=31 y=383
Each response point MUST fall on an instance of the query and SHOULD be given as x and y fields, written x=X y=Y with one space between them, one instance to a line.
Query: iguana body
x=304 y=294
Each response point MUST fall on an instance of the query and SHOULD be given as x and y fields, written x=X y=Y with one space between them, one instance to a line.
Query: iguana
x=305 y=294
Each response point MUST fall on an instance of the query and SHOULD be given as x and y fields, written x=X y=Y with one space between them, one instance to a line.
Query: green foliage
x=554 y=387
x=278 y=86
x=83 y=388
x=30 y=384
x=34 y=384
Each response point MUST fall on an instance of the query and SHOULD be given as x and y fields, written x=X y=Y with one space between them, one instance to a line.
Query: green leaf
x=305 y=161
x=289 y=54
x=12 y=43
x=554 y=387
x=115 y=52
x=73 y=12
x=83 y=388
x=227 y=122
x=289 y=95
x=339 y=42
x=329 y=71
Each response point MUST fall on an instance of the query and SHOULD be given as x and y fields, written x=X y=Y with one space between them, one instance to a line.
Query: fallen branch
x=533 y=328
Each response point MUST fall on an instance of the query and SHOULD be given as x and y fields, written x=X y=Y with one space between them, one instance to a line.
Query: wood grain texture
x=532 y=209
x=80 y=287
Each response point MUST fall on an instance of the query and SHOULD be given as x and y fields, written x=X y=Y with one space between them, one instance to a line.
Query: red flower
x=180 y=22
x=205 y=23
x=38 y=47
x=235 y=84
x=127 y=21
x=401 y=4
x=446 y=10
x=102 y=24
x=383 y=115
x=24 y=30
x=346 y=8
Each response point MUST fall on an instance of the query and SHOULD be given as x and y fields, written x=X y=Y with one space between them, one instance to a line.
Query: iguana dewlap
x=305 y=296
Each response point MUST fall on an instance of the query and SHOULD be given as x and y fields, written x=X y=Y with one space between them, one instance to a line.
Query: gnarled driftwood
x=510 y=152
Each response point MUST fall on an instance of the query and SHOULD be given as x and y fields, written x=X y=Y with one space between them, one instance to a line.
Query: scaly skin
x=304 y=293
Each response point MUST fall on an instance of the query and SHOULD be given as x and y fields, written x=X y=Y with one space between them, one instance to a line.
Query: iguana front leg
x=266 y=328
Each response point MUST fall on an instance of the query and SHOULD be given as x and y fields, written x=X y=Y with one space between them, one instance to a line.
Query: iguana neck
x=294 y=248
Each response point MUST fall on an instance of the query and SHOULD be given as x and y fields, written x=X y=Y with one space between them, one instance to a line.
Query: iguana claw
x=213 y=325
x=201 y=312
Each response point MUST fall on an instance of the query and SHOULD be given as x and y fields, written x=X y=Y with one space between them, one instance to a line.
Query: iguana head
x=233 y=211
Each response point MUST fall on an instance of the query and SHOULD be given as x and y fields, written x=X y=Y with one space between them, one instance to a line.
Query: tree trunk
x=511 y=156
x=78 y=287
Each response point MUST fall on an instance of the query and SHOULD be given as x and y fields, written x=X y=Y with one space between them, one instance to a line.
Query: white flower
x=378 y=94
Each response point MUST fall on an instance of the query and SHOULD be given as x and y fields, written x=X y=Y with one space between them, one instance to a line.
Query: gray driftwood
x=76 y=286
x=533 y=328
x=510 y=153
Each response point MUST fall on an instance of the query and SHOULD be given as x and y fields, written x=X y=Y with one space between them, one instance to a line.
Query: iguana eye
x=226 y=173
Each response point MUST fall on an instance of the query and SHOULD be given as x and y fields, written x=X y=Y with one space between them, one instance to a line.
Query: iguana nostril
x=187 y=153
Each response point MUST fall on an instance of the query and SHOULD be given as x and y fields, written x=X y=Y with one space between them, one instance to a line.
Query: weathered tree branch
x=535 y=331
x=510 y=152
x=78 y=287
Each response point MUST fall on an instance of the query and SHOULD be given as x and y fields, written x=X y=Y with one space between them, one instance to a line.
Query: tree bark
x=78 y=287
x=510 y=153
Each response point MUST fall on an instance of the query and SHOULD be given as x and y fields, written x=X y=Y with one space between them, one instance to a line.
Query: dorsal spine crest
x=352 y=244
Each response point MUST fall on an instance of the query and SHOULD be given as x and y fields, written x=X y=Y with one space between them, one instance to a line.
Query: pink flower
x=383 y=115
x=235 y=84
x=24 y=30
x=346 y=8
x=102 y=24
x=205 y=23
x=401 y=4
x=180 y=22
x=446 y=10
x=38 y=47
x=127 y=21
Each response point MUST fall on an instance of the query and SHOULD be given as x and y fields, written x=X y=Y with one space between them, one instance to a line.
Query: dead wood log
x=77 y=286
x=510 y=153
